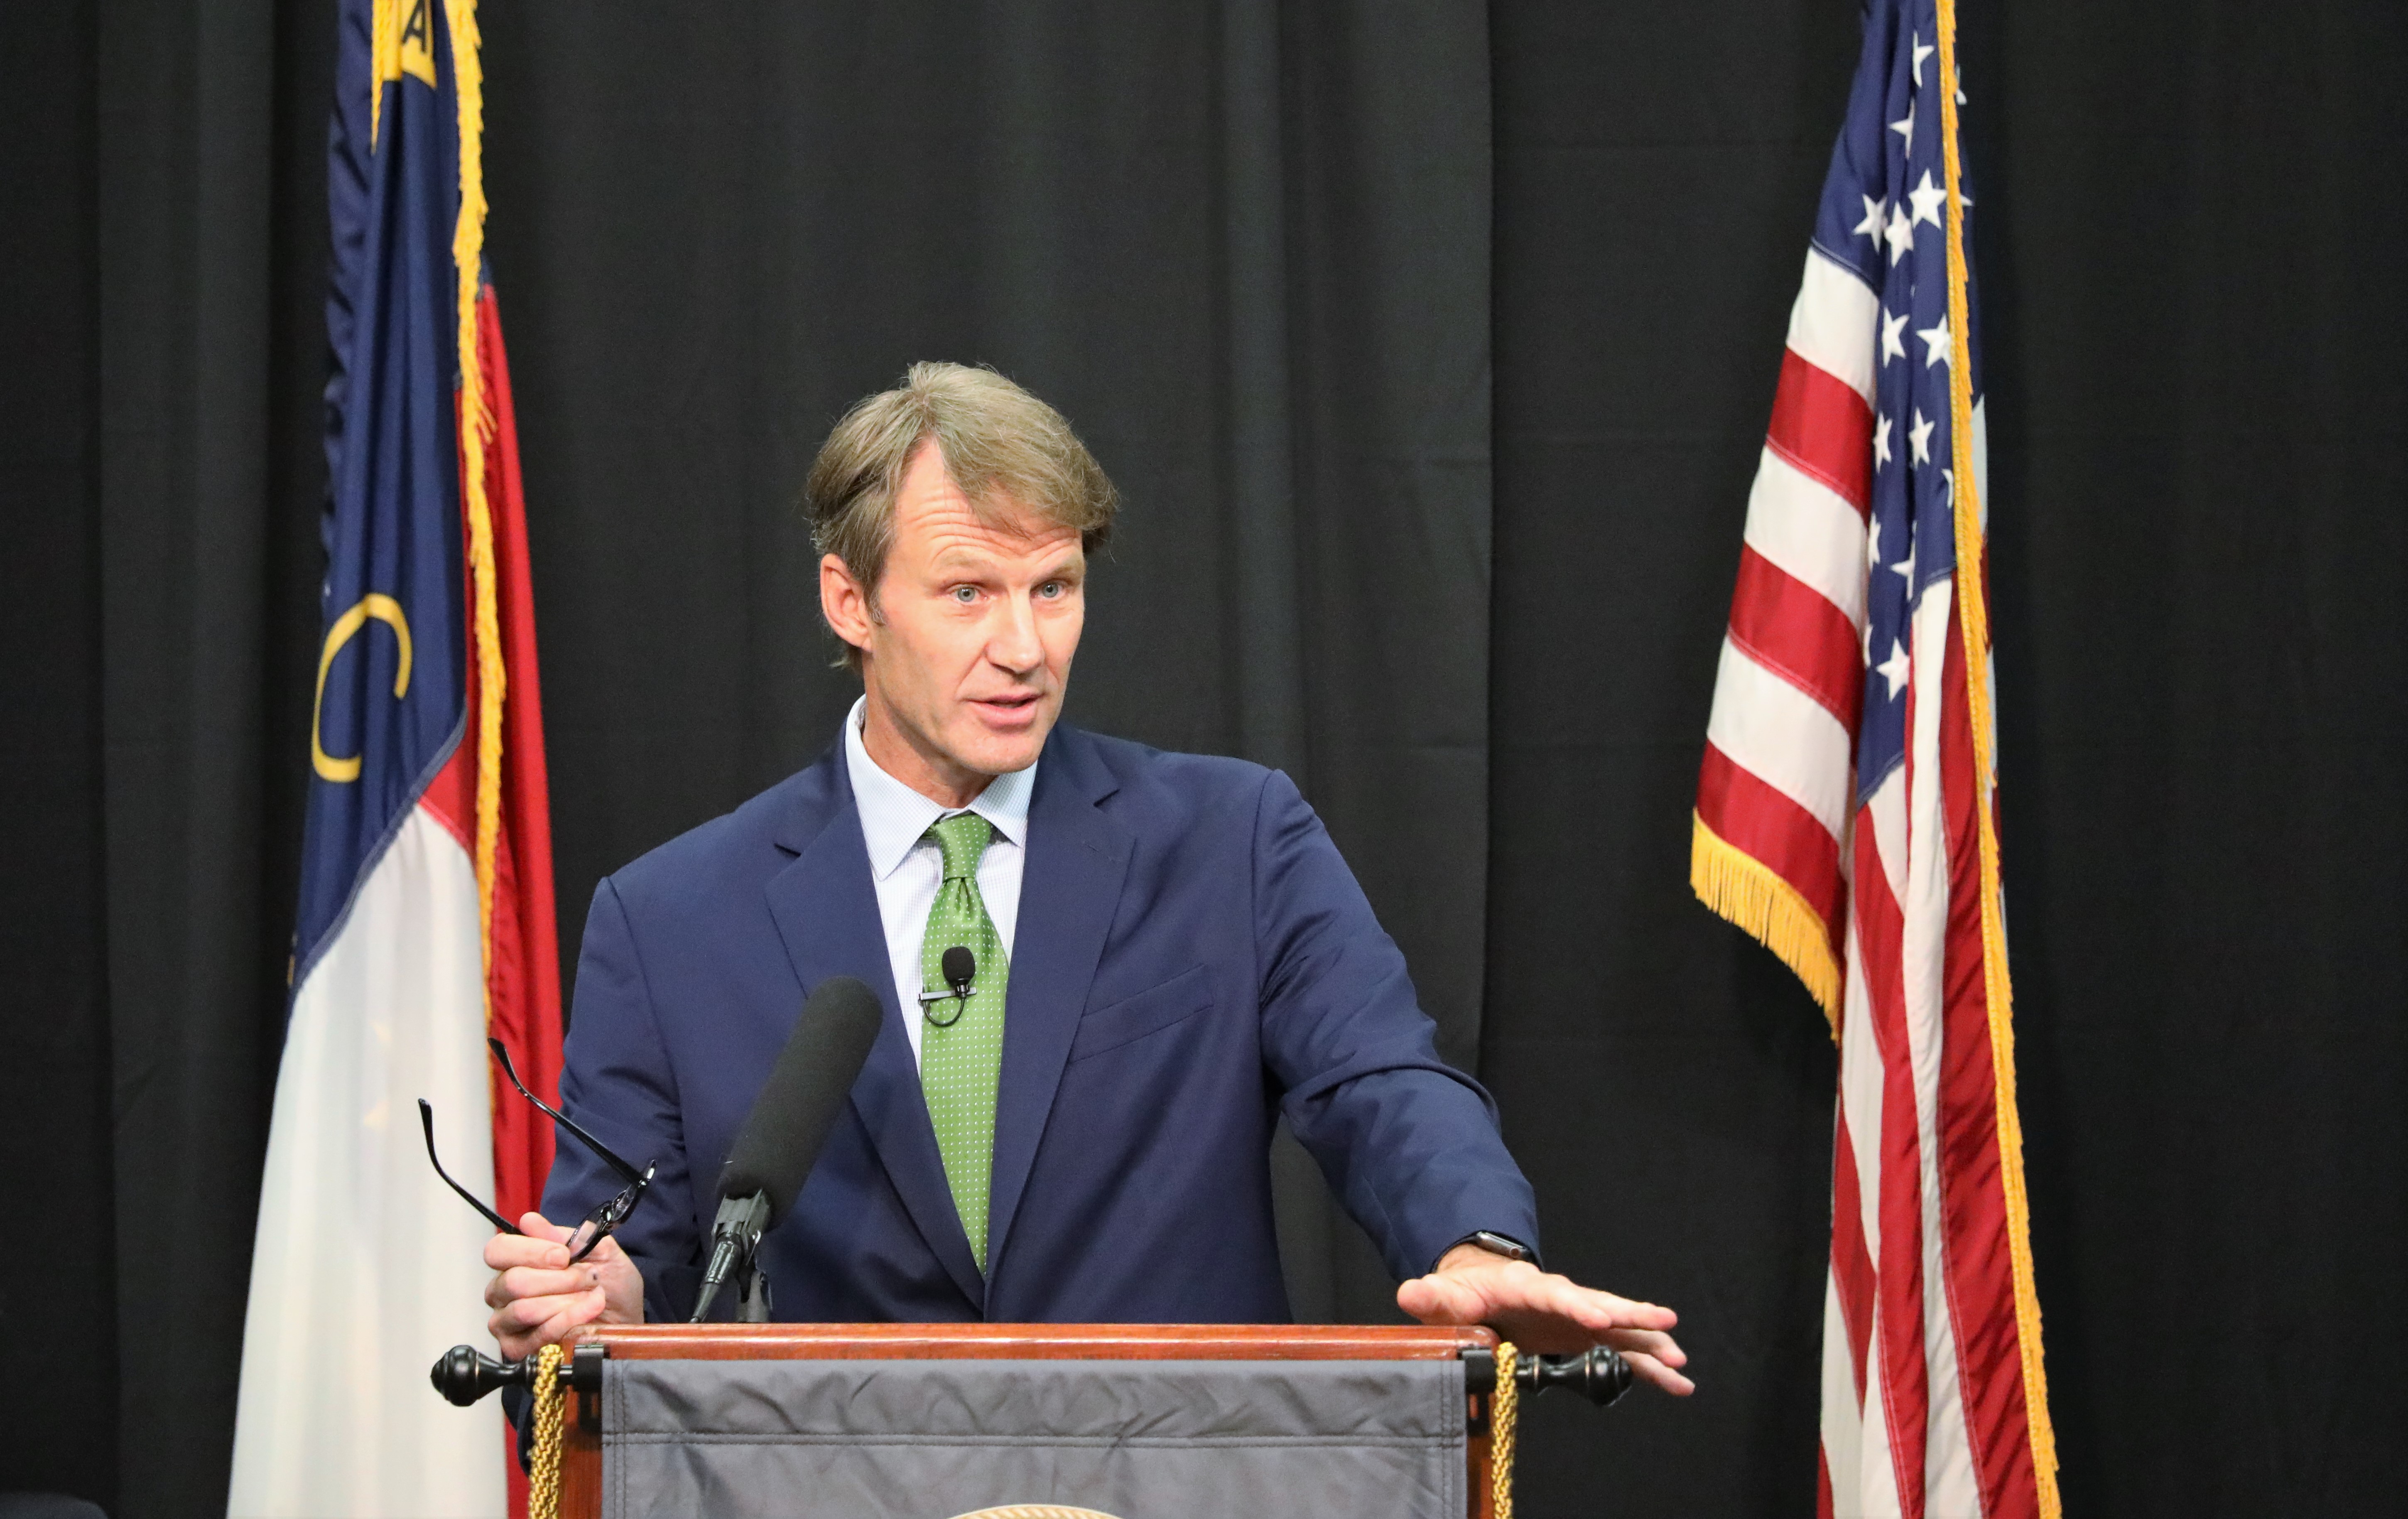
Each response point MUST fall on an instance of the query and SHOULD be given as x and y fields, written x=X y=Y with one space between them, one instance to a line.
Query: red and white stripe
x=1924 y=1409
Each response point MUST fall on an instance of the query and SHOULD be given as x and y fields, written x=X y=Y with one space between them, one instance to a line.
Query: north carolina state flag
x=425 y=916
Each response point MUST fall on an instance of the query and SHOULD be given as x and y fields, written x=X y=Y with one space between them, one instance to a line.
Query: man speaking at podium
x=1171 y=954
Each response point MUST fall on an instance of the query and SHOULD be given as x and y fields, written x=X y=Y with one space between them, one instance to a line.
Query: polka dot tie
x=961 y=1040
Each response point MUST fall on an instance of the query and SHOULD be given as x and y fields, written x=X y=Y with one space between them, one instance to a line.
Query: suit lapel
x=826 y=911
x=1069 y=889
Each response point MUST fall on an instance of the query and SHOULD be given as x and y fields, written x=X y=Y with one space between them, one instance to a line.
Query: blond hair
x=1002 y=446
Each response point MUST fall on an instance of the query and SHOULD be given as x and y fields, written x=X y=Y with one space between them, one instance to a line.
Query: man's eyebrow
x=1073 y=560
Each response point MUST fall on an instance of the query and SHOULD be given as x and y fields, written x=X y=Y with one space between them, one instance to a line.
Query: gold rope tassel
x=543 y=1475
x=1502 y=1405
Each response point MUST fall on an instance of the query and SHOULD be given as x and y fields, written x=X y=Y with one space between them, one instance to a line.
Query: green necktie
x=961 y=1040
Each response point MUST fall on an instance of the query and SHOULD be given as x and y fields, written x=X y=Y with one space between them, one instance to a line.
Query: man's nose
x=1014 y=644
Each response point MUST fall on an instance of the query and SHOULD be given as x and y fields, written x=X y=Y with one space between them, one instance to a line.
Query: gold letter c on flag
x=382 y=608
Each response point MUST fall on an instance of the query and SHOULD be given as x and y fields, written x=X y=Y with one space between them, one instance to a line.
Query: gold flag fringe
x=1739 y=886
x=476 y=431
x=1972 y=590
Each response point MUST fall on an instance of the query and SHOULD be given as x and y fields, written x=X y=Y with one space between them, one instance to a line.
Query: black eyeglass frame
x=604 y=1219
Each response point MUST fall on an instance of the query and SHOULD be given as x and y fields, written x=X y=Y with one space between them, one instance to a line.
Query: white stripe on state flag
x=1810 y=532
x=1832 y=325
x=365 y=1267
x=1781 y=736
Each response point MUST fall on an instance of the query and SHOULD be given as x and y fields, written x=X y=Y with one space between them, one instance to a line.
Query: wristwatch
x=1498 y=1244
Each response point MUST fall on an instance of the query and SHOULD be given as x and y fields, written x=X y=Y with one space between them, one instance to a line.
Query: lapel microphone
x=960 y=969
x=782 y=1136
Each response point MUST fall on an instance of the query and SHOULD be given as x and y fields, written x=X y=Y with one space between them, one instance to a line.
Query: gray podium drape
x=870 y=1439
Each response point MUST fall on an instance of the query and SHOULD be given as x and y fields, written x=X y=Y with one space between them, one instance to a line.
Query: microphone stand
x=735 y=1257
x=753 y=1307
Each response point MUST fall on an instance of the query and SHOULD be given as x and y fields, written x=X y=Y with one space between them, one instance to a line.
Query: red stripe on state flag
x=523 y=976
x=1898 y=1188
x=1763 y=822
x=1824 y=428
x=1792 y=629
x=1980 y=1284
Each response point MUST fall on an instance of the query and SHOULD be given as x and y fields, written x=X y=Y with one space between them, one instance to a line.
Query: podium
x=921 y=1418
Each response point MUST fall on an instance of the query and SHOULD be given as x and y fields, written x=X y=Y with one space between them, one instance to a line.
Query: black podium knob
x=1599 y=1375
x=464 y=1374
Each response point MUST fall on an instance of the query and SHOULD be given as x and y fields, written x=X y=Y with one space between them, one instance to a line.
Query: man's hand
x=537 y=1297
x=1539 y=1311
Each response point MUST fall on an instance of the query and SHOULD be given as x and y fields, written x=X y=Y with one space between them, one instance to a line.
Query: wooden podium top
x=1037 y=1342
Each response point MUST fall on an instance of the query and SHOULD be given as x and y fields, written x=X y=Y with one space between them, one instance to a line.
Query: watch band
x=1498 y=1244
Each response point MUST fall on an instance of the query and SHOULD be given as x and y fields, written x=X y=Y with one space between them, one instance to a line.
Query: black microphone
x=789 y=1121
x=960 y=967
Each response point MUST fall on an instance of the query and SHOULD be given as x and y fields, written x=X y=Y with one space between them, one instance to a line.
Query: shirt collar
x=894 y=817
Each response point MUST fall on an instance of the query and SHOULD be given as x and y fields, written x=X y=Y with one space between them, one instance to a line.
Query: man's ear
x=844 y=602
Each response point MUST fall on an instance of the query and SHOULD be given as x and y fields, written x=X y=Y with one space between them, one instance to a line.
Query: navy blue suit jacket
x=1193 y=957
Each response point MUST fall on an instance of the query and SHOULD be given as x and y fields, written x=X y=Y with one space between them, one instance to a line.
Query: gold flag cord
x=543 y=1470
x=1503 y=1404
x=1972 y=588
x=476 y=431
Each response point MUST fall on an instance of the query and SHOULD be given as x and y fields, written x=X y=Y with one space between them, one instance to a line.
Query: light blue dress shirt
x=907 y=869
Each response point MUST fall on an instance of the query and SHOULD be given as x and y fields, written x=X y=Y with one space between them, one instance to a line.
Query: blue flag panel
x=391 y=696
x=1881 y=215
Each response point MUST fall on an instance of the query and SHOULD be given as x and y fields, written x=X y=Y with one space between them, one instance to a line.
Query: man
x=1169 y=953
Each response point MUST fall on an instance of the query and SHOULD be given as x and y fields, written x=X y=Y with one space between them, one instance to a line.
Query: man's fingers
x=536 y=1282
x=504 y=1251
x=521 y=1317
x=1649 y=1369
x=576 y=1312
x=1603 y=1310
x=526 y=1324
x=1440 y=1299
x=540 y=1228
x=1561 y=1298
x=1650 y=1342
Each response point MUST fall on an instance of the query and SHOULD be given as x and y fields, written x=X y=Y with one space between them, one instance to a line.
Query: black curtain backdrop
x=1263 y=255
x=1244 y=248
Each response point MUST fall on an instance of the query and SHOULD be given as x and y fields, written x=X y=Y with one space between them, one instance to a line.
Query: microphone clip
x=734 y=1255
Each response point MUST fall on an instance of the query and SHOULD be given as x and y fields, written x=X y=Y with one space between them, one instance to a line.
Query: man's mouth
x=1009 y=707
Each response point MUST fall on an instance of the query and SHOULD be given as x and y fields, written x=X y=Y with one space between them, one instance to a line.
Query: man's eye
x=1052 y=589
x=964 y=595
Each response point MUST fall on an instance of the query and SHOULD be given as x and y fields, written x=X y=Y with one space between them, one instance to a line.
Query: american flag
x=1846 y=814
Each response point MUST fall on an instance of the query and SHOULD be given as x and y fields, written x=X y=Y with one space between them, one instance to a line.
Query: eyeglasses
x=598 y=1225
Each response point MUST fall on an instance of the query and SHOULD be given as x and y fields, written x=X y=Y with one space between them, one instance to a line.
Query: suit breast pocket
x=1149 y=1011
